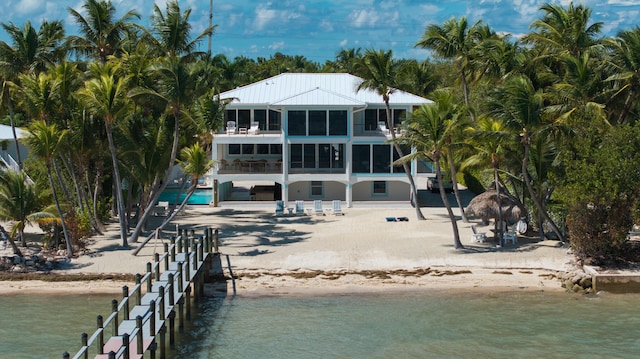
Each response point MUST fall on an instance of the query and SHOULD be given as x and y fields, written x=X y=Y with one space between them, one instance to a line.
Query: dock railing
x=140 y=321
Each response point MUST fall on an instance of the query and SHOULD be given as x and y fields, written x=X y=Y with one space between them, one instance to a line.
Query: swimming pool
x=200 y=196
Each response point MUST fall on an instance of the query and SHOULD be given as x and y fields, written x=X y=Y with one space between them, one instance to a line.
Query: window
x=297 y=123
x=262 y=149
x=229 y=115
x=338 y=123
x=379 y=187
x=296 y=156
x=310 y=156
x=361 y=158
x=244 y=118
x=247 y=149
x=275 y=149
x=260 y=116
x=337 y=161
x=370 y=120
x=317 y=123
x=405 y=150
x=275 y=123
x=234 y=149
x=399 y=115
x=316 y=188
x=381 y=158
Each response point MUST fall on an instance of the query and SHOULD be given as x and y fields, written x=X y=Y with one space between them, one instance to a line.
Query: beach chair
x=299 y=207
x=317 y=207
x=253 y=130
x=478 y=237
x=279 y=207
x=231 y=127
x=161 y=208
x=337 y=209
x=383 y=127
x=510 y=237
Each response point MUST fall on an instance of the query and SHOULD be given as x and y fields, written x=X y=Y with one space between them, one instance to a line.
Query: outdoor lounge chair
x=279 y=207
x=478 y=237
x=299 y=207
x=317 y=207
x=383 y=127
x=510 y=237
x=253 y=130
x=337 y=209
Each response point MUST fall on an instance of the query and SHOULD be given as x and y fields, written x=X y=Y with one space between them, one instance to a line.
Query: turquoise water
x=394 y=325
x=200 y=196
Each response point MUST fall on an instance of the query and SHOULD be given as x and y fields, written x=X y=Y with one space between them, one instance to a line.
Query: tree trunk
x=405 y=166
x=116 y=174
x=496 y=180
x=541 y=211
x=456 y=235
x=454 y=181
x=60 y=213
x=15 y=248
x=465 y=92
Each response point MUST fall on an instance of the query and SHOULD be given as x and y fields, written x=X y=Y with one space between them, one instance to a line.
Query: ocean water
x=424 y=324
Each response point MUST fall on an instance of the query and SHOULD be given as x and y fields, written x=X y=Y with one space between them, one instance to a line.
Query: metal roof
x=313 y=89
x=6 y=133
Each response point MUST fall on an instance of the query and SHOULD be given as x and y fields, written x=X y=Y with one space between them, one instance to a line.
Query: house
x=8 y=150
x=314 y=136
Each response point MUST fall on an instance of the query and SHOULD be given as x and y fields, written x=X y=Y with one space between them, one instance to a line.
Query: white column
x=349 y=194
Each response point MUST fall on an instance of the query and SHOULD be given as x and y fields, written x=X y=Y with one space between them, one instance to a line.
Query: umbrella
x=485 y=206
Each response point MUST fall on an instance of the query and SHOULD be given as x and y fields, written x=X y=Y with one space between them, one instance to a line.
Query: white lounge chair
x=337 y=209
x=299 y=207
x=231 y=127
x=317 y=207
x=478 y=237
x=253 y=130
x=510 y=237
x=279 y=207
x=383 y=127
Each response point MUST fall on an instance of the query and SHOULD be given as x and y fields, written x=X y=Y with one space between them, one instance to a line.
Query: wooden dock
x=140 y=323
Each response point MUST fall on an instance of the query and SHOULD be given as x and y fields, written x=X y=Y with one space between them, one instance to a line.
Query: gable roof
x=313 y=89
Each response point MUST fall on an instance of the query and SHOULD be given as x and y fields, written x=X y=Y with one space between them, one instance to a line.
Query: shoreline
x=357 y=252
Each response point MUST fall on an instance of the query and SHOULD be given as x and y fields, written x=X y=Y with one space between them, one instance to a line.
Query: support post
x=166 y=257
x=172 y=328
x=149 y=284
x=216 y=241
x=125 y=298
x=139 y=343
x=187 y=299
x=181 y=315
x=163 y=342
x=114 y=309
x=83 y=338
x=139 y=293
x=101 y=335
x=170 y=288
x=173 y=249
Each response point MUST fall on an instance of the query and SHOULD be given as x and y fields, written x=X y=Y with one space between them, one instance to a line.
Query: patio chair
x=299 y=207
x=383 y=127
x=317 y=207
x=253 y=130
x=510 y=237
x=279 y=207
x=478 y=237
x=337 y=209
x=231 y=127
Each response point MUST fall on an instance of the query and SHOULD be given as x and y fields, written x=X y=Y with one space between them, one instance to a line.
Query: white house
x=8 y=151
x=314 y=136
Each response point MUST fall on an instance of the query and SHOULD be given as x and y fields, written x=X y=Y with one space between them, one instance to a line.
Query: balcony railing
x=268 y=167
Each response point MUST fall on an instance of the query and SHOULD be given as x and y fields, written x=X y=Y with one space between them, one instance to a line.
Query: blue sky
x=318 y=29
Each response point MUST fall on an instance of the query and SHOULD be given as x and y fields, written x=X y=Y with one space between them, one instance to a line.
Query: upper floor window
x=267 y=120
x=317 y=123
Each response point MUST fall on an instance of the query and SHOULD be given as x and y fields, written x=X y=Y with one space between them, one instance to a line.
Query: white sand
x=268 y=252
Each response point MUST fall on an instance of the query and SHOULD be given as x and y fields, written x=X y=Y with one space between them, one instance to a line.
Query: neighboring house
x=315 y=137
x=8 y=153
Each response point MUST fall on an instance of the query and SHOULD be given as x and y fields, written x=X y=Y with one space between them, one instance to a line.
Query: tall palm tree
x=44 y=141
x=105 y=96
x=172 y=31
x=456 y=40
x=30 y=51
x=101 y=33
x=428 y=130
x=380 y=74
x=522 y=108
x=625 y=61
x=195 y=164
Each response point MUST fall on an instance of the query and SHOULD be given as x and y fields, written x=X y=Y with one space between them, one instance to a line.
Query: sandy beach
x=310 y=254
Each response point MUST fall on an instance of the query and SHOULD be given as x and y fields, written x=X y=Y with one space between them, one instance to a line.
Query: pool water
x=200 y=196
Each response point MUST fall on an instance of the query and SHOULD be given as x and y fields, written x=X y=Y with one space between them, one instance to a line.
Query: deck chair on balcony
x=317 y=207
x=253 y=130
x=299 y=207
x=231 y=127
x=383 y=127
x=478 y=237
x=337 y=209
x=279 y=207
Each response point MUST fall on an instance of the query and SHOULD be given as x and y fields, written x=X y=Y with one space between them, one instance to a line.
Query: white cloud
x=25 y=7
x=364 y=18
x=344 y=43
x=276 y=45
x=264 y=16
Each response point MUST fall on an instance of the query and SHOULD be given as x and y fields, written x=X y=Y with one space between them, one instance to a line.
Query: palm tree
x=428 y=130
x=380 y=74
x=101 y=32
x=44 y=141
x=30 y=52
x=173 y=31
x=195 y=164
x=522 y=108
x=106 y=97
x=625 y=61
x=457 y=41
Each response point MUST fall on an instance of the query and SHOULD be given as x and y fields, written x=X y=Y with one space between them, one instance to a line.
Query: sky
x=319 y=29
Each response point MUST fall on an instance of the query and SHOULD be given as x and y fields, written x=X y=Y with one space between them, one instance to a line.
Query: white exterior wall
x=302 y=190
x=396 y=191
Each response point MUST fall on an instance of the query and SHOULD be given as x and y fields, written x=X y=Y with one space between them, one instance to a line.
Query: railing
x=185 y=263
